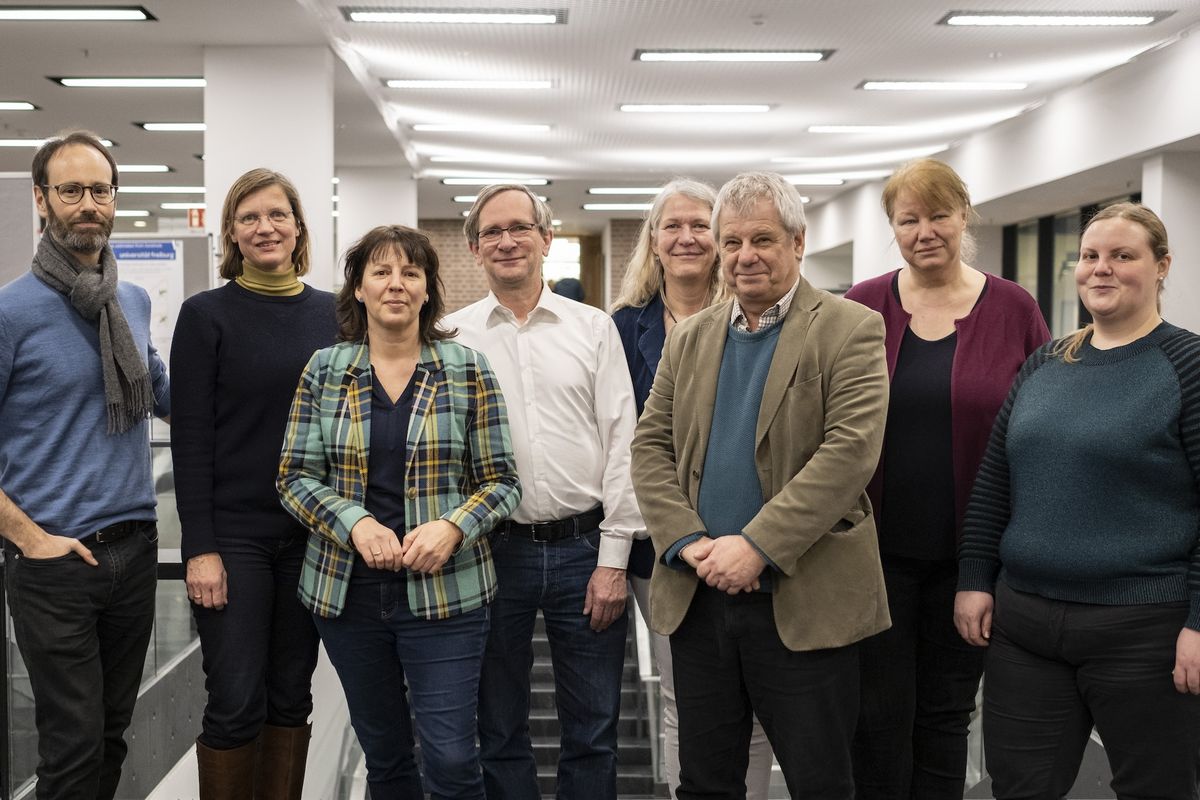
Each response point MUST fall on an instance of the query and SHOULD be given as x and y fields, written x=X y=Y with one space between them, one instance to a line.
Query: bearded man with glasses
x=79 y=380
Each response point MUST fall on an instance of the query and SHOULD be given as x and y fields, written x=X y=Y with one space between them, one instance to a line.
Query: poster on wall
x=156 y=265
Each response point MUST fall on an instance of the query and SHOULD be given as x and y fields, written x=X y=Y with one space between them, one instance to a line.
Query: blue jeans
x=587 y=671
x=83 y=633
x=375 y=645
x=261 y=649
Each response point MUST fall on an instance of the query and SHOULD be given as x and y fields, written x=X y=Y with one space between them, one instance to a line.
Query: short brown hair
x=352 y=317
x=248 y=184
x=41 y=159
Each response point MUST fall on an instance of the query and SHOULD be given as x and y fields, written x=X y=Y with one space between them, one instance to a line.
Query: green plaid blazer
x=460 y=468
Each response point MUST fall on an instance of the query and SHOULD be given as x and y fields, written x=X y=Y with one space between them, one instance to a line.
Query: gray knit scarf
x=128 y=395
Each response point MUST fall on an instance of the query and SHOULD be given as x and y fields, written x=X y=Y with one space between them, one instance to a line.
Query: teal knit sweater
x=1090 y=488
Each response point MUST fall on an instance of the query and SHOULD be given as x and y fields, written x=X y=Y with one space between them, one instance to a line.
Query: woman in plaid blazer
x=397 y=458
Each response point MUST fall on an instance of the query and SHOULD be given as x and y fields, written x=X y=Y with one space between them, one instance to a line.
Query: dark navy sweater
x=1088 y=491
x=236 y=359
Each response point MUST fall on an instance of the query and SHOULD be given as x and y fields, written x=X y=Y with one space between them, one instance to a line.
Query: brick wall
x=464 y=281
x=622 y=236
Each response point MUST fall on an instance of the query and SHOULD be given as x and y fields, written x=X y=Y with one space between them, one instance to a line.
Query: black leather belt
x=118 y=530
x=546 y=532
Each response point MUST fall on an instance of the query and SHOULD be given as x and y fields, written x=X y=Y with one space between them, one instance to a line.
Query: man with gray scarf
x=79 y=380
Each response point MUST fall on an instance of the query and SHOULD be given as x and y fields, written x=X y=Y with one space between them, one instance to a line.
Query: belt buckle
x=534 y=536
x=110 y=533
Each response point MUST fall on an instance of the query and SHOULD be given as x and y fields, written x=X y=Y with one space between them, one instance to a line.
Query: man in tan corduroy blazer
x=754 y=494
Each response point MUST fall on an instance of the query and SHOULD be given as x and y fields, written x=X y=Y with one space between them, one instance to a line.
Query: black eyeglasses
x=72 y=193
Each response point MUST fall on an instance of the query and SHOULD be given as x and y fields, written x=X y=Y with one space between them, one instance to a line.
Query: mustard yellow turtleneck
x=282 y=284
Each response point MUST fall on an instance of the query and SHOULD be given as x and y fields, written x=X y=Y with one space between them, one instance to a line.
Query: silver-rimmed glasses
x=518 y=230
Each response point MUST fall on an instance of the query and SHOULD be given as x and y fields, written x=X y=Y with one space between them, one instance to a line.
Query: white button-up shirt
x=570 y=411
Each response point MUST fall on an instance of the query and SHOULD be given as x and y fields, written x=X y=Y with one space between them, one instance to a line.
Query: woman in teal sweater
x=1080 y=561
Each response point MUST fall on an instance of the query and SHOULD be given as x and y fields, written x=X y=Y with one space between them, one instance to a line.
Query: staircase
x=635 y=779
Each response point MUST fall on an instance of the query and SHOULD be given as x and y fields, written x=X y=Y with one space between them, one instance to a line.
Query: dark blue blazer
x=642 y=335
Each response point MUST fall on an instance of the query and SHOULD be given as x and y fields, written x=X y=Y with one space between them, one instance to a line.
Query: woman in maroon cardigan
x=955 y=339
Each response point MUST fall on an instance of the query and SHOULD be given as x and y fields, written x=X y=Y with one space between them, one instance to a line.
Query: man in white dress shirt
x=571 y=414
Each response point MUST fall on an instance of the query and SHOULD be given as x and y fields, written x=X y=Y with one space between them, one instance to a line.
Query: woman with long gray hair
x=673 y=273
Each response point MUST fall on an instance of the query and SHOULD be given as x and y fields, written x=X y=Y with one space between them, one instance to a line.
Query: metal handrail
x=649 y=681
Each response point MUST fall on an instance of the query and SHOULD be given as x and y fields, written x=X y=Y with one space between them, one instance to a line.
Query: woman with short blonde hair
x=955 y=338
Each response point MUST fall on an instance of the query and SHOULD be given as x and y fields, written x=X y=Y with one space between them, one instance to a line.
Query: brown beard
x=77 y=241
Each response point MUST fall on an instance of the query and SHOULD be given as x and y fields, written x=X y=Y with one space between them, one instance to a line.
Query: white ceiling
x=590 y=61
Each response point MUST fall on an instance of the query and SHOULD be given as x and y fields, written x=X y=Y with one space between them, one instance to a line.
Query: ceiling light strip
x=470 y=198
x=625 y=190
x=159 y=127
x=942 y=86
x=475 y=127
x=470 y=158
x=863 y=159
x=1009 y=19
x=737 y=56
x=130 y=83
x=489 y=180
x=162 y=190
x=16 y=105
x=40 y=142
x=448 y=83
x=75 y=14
x=458 y=16
x=617 y=206
x=694 y=108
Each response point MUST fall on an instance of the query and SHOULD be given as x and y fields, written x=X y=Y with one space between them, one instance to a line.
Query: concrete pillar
x=1171 y=187
x=273 y=107
x=875 y=250
x=18 y=225
x=369 y=197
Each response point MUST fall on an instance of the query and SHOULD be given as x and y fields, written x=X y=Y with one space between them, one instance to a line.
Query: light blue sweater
x=57 y=461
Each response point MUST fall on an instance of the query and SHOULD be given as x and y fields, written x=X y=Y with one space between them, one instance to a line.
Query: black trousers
x=1055 y=669
x=919 y=681
x=83 y=632
x=730 y=664
x=261 y=649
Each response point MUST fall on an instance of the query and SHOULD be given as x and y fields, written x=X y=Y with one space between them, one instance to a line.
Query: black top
x=386 y=469
x=236 y=359
x=918 y=473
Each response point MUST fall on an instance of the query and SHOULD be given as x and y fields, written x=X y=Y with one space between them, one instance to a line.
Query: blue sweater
x=1090 y=488
x=57 y=461
x=730 y=492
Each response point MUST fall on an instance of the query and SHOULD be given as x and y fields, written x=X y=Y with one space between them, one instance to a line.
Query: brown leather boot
x=282 y=753
x=226 y=774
